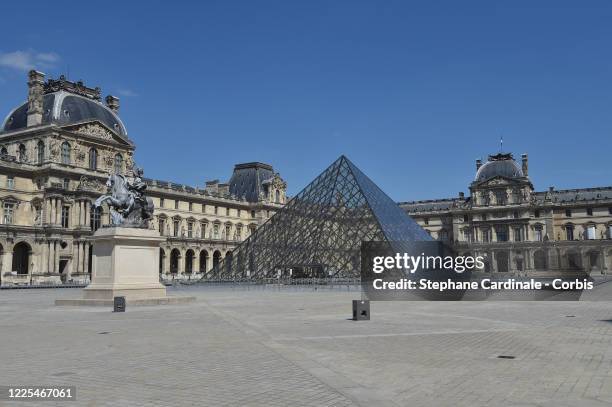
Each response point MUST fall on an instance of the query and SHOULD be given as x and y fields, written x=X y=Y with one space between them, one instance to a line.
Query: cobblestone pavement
x=296 y=347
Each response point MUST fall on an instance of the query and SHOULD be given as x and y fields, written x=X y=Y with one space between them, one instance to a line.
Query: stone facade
x=56 y=152
x=518 y=230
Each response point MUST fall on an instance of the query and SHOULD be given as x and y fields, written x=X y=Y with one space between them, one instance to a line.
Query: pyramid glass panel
x=319 y=232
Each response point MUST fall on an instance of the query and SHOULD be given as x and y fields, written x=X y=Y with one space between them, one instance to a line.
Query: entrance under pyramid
x=319 y=232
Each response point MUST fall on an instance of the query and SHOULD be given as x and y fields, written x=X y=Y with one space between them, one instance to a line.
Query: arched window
x=40 y=149
x=539 y=260
x=65 y=153
x=93 y=159
x=22 y=153
x=118 y=163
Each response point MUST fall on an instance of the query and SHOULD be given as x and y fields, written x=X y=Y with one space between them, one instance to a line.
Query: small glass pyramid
x=319 y=232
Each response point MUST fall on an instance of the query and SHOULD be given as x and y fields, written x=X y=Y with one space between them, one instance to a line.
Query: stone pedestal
x=125 y=263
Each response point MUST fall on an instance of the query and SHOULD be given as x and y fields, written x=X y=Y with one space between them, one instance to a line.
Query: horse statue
x=129 y=207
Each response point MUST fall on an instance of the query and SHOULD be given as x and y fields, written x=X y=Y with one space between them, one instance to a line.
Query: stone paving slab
x=297 y=347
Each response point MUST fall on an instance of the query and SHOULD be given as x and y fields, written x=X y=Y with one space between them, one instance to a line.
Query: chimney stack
x=113 y=103
x=525 y=165
x=36 y=81
x=478 y=164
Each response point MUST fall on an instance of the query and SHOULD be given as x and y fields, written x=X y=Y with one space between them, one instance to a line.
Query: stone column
x=78 y=256
x=87 y=222
x=167 y=261
x=50 y=257
x=195 y=265
x=181 y=263
x=52 y=211
x=44 y=255
x=7 y=259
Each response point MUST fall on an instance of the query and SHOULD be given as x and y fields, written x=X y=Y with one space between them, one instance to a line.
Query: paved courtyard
x=297 y=347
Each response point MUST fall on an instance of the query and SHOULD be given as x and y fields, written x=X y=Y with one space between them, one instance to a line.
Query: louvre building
x=518 y=229
x=56 y=152
x=58 y=148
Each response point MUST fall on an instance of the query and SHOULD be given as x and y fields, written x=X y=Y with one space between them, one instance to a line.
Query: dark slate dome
x=66 y=108
x=499 y=165
x=248 y=178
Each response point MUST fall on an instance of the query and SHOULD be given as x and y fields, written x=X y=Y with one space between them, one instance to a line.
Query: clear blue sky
x=411 y=92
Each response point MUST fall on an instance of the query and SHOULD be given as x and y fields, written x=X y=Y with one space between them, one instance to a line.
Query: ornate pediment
x=90 y=184
x=94 y=130
x=97 y=130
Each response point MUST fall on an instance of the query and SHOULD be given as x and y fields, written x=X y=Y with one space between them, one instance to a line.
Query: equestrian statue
x=129 y=207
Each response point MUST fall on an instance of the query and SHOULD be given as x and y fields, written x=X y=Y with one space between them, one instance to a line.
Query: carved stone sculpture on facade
x=129 y=207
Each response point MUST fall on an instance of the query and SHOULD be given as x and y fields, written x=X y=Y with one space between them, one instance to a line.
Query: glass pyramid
x=319 y=232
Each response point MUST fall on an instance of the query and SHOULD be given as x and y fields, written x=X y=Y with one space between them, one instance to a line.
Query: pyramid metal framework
x=319 y=232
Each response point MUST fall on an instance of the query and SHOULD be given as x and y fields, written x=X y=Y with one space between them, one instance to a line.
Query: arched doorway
x=229 y=256
x=216 y=259
x=594 y=260
x=573 y=260
x=189 y=261
x=21 y=258
x=502 y=261
x=539 y=260
x=175 y=255
x=162 y=258
x=203 y=261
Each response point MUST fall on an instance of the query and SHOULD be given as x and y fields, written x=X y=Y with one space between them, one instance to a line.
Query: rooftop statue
x=129 y=207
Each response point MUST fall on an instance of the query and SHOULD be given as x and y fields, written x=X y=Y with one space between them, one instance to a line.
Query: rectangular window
x=239 y=212
x=66 y=183
x=216 y=231
x=569 y=233
x=253 y=214
x=239 y=232
x=516 y=215
x=502 y=234
x=190 y=229
x=216 y=209
x=10 y=182
x=609 y=231
x=203 y=230
x=486 y=235
x=95 y=218
x=518 y=234
x=484 y=216
x=501 y=197
x=610 y=210
x=568 y=213
x=227 y=232
x=176 y=228
x=590 y=211
x=161 y=202
x=590 y=232
x=162 y=226
x=227 y=211
x=203 y=208
x=176 y=204
x=538 y=235
x=466 y=218
x=190 y=206
x=9 y=209
x=65 y=216
x=426 y=220
x=536 y=213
